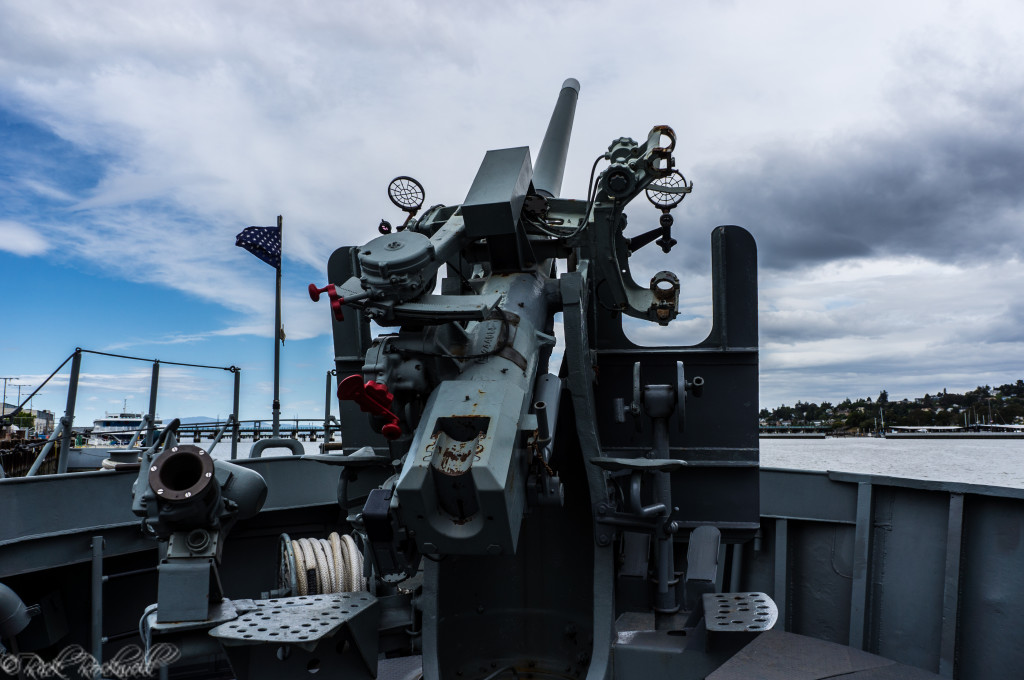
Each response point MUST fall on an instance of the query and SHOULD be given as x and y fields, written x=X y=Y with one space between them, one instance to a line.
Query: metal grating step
x=302 y=619
x=739 y=612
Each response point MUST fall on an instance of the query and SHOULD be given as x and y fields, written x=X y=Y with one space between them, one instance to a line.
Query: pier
x=794 y=431
x=302 y=429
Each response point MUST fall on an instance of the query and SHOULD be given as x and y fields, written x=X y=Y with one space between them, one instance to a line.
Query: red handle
x=373 y=398
x=336 y=300
x=314 y=292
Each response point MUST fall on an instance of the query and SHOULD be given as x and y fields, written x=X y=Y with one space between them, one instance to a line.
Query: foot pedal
x=291 y=637
x=304 y=619
x=739 y=612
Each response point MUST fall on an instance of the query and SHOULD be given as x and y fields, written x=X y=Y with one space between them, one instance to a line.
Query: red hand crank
x=336 y=300
x=373 y=398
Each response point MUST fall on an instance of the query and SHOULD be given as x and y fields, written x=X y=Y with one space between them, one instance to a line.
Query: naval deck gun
x=517 y=518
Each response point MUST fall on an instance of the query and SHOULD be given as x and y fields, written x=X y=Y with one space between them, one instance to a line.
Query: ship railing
x=41 y=458
x=63 y=429
x=231 y=421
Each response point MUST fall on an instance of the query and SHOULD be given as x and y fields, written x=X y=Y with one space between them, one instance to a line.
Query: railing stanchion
x=327 y=412
x=69 y=412
x=151 y=429
x=237 y=433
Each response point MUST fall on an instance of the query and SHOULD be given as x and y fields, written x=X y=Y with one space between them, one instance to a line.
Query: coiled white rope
x=331 y=565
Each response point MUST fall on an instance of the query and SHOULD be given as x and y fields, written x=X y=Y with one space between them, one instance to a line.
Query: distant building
x=44 y=419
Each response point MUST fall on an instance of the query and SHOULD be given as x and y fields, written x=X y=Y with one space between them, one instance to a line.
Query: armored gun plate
x=443 y=308
x=779 y=655
x=639 y=464
x=360 y=458
x=739 y=612
x=299 y=620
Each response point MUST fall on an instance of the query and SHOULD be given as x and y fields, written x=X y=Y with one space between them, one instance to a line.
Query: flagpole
x=277 y=339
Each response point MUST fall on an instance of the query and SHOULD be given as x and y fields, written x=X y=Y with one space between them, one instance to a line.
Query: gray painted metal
x=151 y=414
x=547 y=177
x=351 y=342
x=861 y=557
x=781 y=573
x=294 y=637
x=234 y=412
x=739 y=612
x=97 y=601
x=301 y=619
x=47 y=448
x=783 y=656
x=47 y=520
x=69 y=412
x=919 y=619
x=275 y=442
x=937 y=596
x=527 y=513
x=951 y=587
x=495 y=199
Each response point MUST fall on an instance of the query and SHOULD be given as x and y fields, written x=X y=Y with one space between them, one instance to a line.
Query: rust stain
x=454 y=458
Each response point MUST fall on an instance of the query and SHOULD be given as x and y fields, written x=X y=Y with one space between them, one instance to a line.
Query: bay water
x=990 y=462
x=971 y=461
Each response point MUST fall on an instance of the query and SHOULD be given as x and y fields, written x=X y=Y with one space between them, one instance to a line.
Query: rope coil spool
x=317 y=566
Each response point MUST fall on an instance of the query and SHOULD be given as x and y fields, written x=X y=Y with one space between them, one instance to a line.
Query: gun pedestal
x=191 y=501
x=189 y=583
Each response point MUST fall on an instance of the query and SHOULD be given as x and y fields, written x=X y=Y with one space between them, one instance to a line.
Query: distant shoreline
x=899 y=435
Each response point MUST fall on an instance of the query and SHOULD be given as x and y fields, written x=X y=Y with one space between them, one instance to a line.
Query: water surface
x=972 y=461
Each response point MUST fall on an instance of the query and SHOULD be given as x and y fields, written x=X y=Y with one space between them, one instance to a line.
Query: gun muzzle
x=186 y=489
x=190 y=489
x=547 y=174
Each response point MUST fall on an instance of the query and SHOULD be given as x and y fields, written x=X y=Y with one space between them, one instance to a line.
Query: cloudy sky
x=874 y=149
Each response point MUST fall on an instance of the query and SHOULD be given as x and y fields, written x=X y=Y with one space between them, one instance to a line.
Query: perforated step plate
x=739 y=612
x=302 y=619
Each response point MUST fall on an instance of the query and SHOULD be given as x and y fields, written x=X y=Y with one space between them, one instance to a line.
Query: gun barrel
x=547 y=175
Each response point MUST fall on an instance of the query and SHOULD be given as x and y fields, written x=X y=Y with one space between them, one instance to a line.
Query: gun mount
x=570 y=518
x=190 y=501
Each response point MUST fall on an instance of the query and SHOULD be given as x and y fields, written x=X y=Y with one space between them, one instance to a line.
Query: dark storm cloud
x=947 y=190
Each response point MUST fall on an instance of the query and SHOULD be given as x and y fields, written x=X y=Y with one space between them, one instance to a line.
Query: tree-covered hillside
x=984 y=404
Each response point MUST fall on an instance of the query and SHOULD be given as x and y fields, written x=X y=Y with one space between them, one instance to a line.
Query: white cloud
x=903 y=324
x=21 y=240
x=47 y=190
x=212 y=117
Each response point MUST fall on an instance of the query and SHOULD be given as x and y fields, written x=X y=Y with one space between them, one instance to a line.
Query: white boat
x=118 y=428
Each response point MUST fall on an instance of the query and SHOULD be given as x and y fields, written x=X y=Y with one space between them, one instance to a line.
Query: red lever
x=373 y=398
x=336 y=300
x=314 y=292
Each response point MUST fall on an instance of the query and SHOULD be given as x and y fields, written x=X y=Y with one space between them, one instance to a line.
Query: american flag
x=263 y=242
